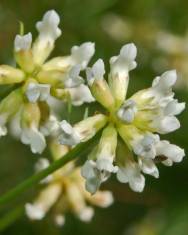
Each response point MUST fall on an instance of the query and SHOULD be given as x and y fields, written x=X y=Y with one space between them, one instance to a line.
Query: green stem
x=11 y=217
x=28 y=183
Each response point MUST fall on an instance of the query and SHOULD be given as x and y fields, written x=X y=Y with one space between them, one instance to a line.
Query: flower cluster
x=129 y=145
x=38 y=80
x=64 y=192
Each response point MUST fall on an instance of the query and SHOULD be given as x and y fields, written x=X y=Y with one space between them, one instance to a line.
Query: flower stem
x=80 y=149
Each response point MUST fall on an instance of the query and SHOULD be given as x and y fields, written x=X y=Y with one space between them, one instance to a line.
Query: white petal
x=86 y=214
x=80 y=95
x=96 y=72
x=106 y=164
x=73 y=78
x=60 y=220
x=129 y=51
x=48 y=27
x=92 y=185
x=171 y=151
x=166 y=81
x=87 y=170
x=127 y=111
x=124 y=62
x=68 y=135
x=122 y=176
x=83 y=53
x=174 y=108
x=149 y=167
x=35 y=139
x=34 y=212
x=137 y=184
x=32 y=92
x=166 y=124
x=23 y=43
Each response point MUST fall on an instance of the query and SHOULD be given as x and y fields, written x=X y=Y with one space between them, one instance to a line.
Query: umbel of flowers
x=38 y=80
x=64 y=191
x=130 y=143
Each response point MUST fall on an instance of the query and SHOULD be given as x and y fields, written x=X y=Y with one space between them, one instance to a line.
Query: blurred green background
x=162 y=209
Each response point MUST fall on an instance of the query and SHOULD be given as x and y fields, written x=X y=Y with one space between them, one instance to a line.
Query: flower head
x=137 y=121
x=39 y=80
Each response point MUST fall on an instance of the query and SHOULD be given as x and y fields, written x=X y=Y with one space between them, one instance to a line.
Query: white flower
x=146 y=146
x=102 y=198
x=127 y=111
x=83 y=53
x=148 y=167
x=60 y=220
x=130 y=173
x=171 y=151
x=94 y=177
x=73 y=79
x=125 y=61
x=96 y=72
x=48 y=27
x=80 y=95
x=40 y=165
x=34 y=212
x=86 y=214
x=35 y=92
x=69 y=136
x=34 y=138
x=50 y=127
x=46 y=199
x=23 y=43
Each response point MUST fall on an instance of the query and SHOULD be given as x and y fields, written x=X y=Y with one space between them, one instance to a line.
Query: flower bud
x=9 y=75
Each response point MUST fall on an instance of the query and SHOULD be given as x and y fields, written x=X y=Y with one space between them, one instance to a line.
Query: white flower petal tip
x=129 y=51
x=35 y=92
x=127 y=111
x=106 y=199
x=94 y=177
x=3 y=131
x=96 y=72
x=73 y=78
x=146 y=146
x=105 y=164
x=68 y=135
x=50 y=127
x=48 y=27
x=35 y=139
x=80 y=95
x=171 y=151
x=60 y=220
x=125 y=61
x=86 y=214
x=174 y=108
x=166 y=124
x=166 y=80
x=82 y=54
x=40 y=165
x=148 y=167
x=136 y=180
x=23 y=43
x=34 y=212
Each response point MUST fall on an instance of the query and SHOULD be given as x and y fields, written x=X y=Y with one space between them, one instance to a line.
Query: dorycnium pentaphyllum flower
x=37 y=79
x=64 y=191
x=136 y=122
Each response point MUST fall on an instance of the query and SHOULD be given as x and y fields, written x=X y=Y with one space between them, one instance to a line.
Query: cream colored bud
x=10 y=75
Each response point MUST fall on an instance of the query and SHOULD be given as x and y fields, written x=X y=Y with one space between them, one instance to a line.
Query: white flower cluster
x=129 y=145
x=137 y=120
x=64 y=192
x=39 y=80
